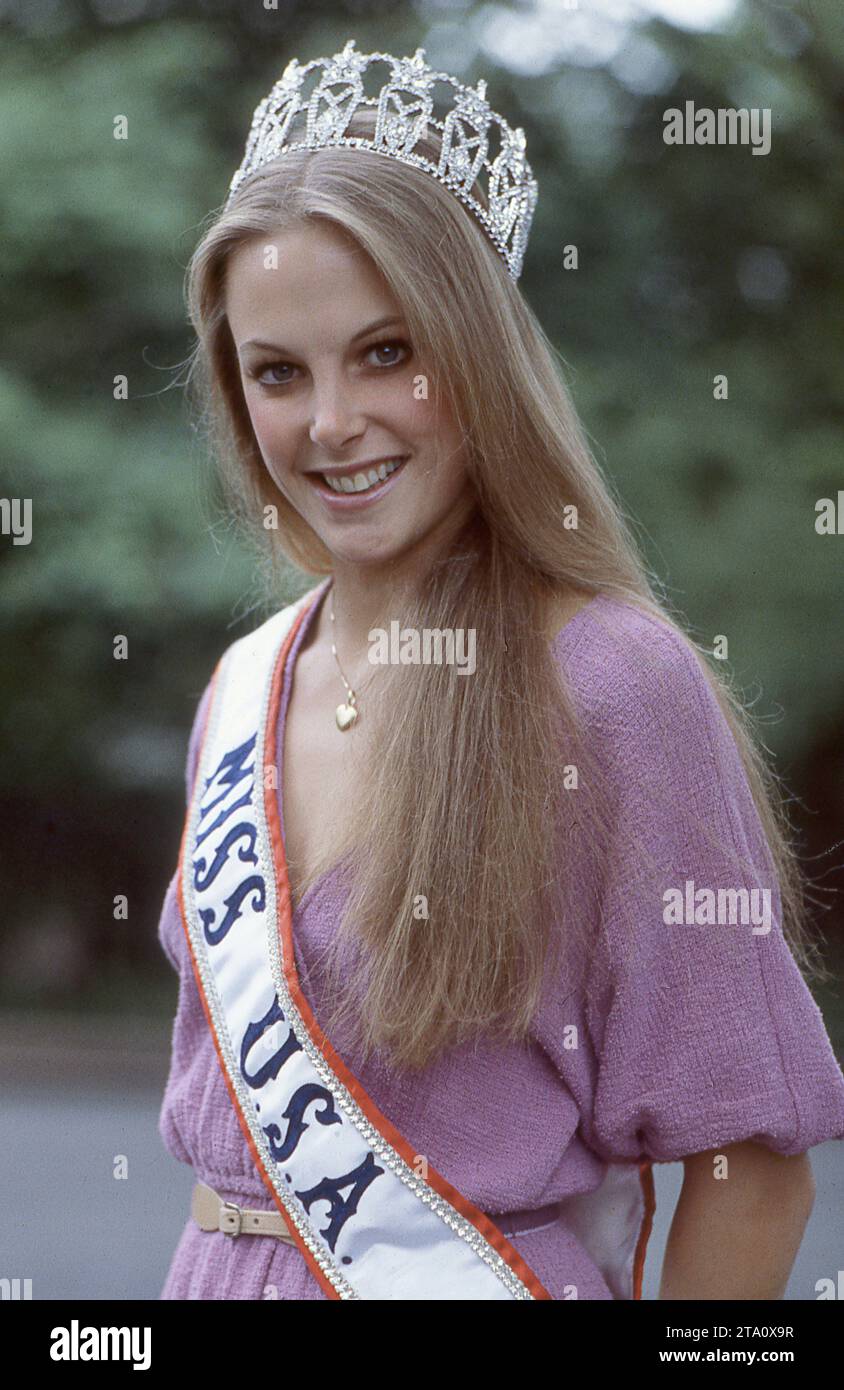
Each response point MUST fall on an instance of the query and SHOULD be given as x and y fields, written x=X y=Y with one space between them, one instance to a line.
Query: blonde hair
x=461 y=792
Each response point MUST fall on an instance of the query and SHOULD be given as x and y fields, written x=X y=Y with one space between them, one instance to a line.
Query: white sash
x=348 y=1184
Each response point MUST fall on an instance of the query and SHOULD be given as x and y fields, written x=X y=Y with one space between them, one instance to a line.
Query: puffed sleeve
x=706 y=1033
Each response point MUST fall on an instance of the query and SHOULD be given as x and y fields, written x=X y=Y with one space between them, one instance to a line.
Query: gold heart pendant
x=345 y=716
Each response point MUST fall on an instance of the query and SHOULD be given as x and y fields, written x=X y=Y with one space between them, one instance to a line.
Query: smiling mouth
x=365 y=481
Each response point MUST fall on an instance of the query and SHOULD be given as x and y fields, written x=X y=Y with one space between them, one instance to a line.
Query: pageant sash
x=366 y=1220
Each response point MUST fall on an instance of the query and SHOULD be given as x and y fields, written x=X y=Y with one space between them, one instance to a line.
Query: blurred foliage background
x=693 y=262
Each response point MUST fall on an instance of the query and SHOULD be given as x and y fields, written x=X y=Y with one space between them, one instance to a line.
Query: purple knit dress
x=706 y=1035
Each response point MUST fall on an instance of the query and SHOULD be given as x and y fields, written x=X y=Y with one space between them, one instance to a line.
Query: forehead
x=311 y=281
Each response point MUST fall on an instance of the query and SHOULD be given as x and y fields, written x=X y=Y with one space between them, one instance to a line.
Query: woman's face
x=335 y=391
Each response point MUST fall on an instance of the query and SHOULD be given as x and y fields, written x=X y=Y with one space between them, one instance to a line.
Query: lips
x=348 y=470
x=354 y=499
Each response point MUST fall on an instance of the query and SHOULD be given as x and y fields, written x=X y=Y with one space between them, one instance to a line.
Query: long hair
x=461 y=894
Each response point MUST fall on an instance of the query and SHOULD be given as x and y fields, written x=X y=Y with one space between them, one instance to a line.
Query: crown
x=475 y=142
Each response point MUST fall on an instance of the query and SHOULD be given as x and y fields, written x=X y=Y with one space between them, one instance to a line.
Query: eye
x=257 y=373
x=391 y=345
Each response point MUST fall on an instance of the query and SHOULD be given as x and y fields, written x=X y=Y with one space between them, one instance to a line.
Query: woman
x=512 y=914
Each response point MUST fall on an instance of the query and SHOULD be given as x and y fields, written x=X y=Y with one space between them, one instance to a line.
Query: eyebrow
x=370 y=328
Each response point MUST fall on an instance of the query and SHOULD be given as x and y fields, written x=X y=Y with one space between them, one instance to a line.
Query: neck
x=366 y=596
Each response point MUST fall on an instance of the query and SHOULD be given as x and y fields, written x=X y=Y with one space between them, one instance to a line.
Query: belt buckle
x=231 y=1218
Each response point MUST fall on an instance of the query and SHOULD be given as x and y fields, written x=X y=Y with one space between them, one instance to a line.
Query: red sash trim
x=646 y=1178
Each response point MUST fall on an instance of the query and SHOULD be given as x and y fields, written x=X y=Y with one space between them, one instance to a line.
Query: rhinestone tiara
x=404 y=115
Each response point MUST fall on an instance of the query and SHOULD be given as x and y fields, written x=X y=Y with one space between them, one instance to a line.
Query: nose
x=336 y=419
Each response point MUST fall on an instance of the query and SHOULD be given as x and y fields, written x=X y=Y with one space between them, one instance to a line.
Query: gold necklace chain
x=346 y=714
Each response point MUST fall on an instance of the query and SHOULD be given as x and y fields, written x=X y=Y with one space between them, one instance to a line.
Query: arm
x=737 y=1237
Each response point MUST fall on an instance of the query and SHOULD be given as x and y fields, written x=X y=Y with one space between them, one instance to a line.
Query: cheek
x=273 y=432
x=420 y=418
x=267 y=420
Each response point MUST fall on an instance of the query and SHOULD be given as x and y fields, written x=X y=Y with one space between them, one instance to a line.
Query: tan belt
x=212 y=1213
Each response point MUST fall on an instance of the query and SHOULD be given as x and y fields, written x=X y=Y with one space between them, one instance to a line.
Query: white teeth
x=362 y=482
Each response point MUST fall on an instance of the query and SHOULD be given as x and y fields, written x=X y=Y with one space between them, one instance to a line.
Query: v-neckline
x=287 y=689
x=569 y=630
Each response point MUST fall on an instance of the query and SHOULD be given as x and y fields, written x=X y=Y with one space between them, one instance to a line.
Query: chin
x=377 y=545
x=364 y=556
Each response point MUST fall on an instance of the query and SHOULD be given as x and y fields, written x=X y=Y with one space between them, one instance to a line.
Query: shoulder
x=620 y=655
x=670 y=752
x=640 y=686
